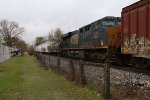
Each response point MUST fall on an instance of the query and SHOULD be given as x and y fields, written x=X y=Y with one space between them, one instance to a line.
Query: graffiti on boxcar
x=125 y=48
x=141 y=46
x=133 y=44
x=126 y=42
x=147 y=48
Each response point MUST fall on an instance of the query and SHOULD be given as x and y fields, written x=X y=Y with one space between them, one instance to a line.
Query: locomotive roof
x=66 y=35
x=97 y=21
x=69 y=34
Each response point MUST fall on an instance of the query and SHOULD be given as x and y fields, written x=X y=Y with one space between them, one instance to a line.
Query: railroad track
x=127 y=68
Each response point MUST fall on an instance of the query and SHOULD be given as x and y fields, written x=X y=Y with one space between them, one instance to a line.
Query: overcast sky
x=38 y=17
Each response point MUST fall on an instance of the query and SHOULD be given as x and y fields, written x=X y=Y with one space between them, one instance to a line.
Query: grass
x=21 y=78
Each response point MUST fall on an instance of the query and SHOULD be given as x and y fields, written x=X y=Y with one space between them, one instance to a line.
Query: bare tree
x=51 y=35
x=19 y=43
x=39 y=40
x=57 y=35
x=8 y=30
x=54 y=36
x=30 y=49
x=1 y=39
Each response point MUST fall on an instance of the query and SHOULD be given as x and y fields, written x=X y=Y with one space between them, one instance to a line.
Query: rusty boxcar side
x=136 y=29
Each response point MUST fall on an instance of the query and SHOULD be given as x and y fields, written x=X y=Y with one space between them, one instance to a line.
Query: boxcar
x=136 y=32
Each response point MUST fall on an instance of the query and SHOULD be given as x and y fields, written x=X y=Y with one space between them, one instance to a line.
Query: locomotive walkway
x=22 y=78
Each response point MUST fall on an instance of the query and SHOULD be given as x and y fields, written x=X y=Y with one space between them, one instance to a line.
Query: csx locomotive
x=91 y=41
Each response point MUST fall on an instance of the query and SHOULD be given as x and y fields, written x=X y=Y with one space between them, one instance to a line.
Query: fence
x=5 y=53
x=92 y=73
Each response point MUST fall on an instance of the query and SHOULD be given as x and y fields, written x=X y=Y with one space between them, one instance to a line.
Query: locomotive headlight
x=102 y=43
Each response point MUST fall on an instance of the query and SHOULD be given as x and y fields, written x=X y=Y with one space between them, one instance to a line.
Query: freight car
x=43 y=48
x=92 y=40
x=136 y=33
x=47 y=47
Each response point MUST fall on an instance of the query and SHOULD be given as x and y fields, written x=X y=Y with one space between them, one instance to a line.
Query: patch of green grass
x=93 y=86
x=21 y=78
x=115 y=89
x=10 y=77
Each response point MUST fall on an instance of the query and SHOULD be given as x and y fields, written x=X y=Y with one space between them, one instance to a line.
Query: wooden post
x=82 y=77
x=58 y=65
x=41 y=58
x=106 y=90
x=37 y=56
x=72 y=71
x=49 y=61
x=106 y=84
x=44 y=60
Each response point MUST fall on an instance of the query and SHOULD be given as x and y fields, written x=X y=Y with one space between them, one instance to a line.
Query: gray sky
x=38 y=17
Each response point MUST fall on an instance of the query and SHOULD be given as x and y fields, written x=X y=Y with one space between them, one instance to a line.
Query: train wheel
x=82 y=55
x=137 y=63
x=101 y=57
x=146 y=64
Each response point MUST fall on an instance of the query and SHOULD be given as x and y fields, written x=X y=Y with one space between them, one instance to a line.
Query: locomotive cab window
x=119 y=21
x=81 y=30
x=108 y=23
